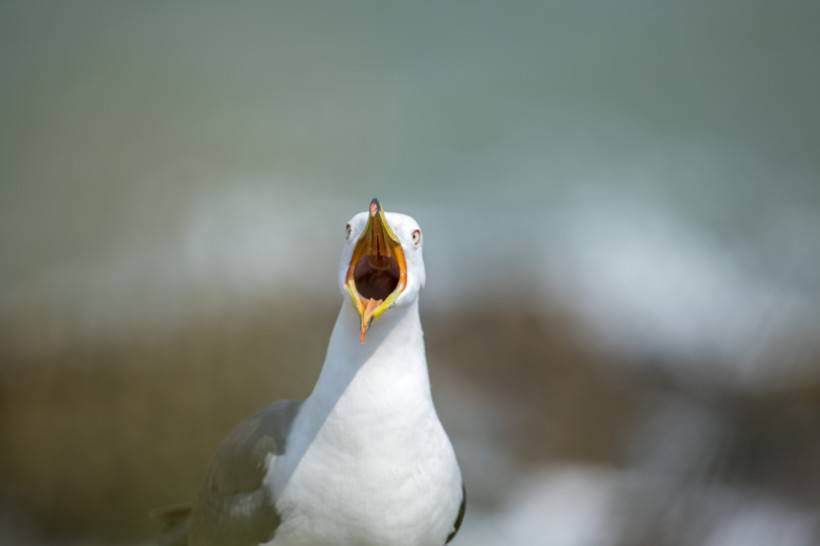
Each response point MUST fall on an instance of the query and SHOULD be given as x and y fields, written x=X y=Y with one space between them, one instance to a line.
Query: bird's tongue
x=367 y=316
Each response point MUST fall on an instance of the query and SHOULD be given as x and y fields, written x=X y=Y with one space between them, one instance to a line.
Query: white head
x=382 y=264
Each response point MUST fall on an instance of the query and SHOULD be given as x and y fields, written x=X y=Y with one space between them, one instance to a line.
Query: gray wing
x=233 y=508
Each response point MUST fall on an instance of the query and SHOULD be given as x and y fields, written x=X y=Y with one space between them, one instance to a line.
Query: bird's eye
x=416 y=237
x=348 y=231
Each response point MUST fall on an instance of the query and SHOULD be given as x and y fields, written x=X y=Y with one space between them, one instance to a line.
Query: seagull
x=364 y=460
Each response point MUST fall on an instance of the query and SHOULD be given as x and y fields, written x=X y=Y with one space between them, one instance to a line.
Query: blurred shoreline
x=99 y=432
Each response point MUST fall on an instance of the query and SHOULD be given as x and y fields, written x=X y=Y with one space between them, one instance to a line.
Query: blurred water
x=651 y=163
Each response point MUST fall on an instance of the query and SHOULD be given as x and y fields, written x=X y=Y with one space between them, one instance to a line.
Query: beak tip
x=375 y=207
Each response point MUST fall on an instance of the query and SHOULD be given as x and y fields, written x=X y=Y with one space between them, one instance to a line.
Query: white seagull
x=364 y=460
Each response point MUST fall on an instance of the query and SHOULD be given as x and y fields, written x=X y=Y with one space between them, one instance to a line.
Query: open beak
x=377 y=273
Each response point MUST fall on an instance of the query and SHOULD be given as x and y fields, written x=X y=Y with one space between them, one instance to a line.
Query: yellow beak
x=377 y=272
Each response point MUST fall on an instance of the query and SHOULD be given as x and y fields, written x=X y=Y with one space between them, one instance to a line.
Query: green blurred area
x=99 y=433
x=118 y=118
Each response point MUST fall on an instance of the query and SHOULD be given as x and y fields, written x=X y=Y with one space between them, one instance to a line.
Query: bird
x=362 y=461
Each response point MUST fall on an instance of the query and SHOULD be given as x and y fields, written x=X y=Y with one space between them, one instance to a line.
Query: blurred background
x=621 y=205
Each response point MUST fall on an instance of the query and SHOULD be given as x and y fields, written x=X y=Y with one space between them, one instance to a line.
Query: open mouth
x=376 y=277
x=377 y=273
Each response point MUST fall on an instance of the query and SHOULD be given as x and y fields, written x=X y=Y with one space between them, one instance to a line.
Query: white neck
x=381 y=372
x=366 y=392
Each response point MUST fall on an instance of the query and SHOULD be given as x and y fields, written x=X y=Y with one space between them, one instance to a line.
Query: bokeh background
x=621 y=205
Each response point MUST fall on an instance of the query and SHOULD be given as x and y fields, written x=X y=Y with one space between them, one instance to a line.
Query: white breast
x=368 y=462
x=394 y=492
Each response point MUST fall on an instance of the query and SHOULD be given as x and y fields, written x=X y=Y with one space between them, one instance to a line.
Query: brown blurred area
x=96 y=433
